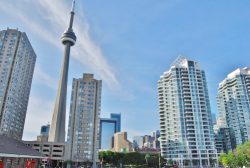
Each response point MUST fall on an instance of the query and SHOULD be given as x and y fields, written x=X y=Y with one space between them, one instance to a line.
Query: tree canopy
x=132 y=158
x=239 y=157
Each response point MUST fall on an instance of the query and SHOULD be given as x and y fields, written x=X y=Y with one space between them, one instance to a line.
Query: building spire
x=72 y=13
x=73 y=6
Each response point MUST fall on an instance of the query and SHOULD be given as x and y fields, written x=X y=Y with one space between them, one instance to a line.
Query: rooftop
x=13 y=148
x=238 y=71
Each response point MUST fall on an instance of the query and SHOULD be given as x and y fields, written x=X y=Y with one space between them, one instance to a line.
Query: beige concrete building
x=50 y=150
x=83 y=128
x=121 y=143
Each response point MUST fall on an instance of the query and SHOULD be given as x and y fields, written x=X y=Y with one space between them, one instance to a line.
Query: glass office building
x=45 y=130
x=108 y=127
x=233 y=101
x=117 y=117
x=17 y=63
x=185 y=117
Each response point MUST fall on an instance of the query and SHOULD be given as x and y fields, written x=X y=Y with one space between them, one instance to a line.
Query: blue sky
x=128 y=44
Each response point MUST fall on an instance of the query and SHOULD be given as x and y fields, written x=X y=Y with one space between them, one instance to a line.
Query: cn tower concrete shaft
x=57 y=131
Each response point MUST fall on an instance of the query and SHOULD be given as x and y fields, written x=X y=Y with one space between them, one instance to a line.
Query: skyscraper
x=185 y=116
x=57 y=131
x=117 y=117
x=83 y=138
x=44 y=133
x=17 y=62
x=233 y=101
x=108 y=127
x=45 y=130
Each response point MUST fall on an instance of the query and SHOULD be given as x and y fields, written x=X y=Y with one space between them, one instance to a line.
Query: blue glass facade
x=233 y=100
x=108 y=127
x=117 y=117
x=45 y=130
x=107 y=131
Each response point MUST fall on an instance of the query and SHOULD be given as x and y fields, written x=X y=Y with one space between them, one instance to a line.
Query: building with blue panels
x=233 y=101
x=108 y=127
x=185 y=116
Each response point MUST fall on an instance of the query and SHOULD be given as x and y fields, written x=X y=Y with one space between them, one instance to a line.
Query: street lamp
x=160 y=160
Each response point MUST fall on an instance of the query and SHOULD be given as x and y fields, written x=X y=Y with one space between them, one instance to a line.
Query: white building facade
x=233 y=100
x=83 y=128
x=17 y=62
x=185 y=117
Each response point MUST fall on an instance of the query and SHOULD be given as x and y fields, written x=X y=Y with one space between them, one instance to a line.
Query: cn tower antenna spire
x=73 y=6
x=57 y=131
x=72 y=13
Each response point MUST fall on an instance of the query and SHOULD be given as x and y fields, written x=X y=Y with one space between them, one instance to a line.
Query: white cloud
x=42 y=77
x=38 y=114
x=86 y=51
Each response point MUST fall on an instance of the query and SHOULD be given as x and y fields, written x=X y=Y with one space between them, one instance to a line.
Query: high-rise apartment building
x=185 y=117
x=214 y=120
x=233 y=101
x=83 y=128
x=17 y=62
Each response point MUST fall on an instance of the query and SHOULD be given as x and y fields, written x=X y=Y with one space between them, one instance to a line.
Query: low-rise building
x=53 y=152
x=121 y=143
x=138 y=142
x=14 y=153
x=147 y=142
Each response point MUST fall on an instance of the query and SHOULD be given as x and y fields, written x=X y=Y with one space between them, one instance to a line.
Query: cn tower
x=57 y=131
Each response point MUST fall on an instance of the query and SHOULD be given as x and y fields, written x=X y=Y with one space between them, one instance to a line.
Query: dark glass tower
x=117 y=117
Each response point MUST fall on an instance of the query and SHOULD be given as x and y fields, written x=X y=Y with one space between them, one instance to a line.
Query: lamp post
x=160 y=160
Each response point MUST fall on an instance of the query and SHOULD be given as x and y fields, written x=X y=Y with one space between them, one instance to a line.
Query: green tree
x=133 y=158
x=147 y=156
x=232 y=160
x=246 y=151
x=237 y=158
x=223 y=159
x=241 y=157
